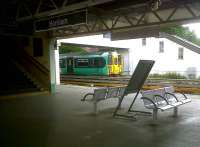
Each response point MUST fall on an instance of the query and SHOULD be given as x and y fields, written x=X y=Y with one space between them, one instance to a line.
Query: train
x=98 y=63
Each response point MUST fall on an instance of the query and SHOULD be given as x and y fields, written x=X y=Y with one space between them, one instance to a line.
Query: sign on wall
x=61 y=21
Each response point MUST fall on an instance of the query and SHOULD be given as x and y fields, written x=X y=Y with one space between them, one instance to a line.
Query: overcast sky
x=195 y=27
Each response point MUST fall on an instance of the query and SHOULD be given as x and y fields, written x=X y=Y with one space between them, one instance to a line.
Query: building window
x=180 y=53
x=144 y=42
x=161 y=47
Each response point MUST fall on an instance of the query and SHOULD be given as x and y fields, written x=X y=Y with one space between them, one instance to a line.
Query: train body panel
x=63 y=67
x=91 y=71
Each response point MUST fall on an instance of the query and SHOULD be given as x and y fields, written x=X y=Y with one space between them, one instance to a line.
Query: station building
x=36 y=113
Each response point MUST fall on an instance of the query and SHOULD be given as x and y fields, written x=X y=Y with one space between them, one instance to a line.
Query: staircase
x=13 y=80
x=183 y=42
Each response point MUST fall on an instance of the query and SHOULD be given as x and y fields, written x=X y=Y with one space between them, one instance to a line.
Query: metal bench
x=163 y=99
x=156 y=100
x=103 y=94
x=178 y=97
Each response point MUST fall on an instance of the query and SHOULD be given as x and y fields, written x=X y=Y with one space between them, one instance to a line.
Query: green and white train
x=99 y=63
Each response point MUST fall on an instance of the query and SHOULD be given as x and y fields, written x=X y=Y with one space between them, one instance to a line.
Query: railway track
x=123 y=80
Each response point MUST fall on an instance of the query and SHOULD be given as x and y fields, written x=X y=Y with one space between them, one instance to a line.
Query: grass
x=186 y=90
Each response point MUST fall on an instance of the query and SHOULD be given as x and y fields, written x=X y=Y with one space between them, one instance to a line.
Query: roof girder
x=121 y=21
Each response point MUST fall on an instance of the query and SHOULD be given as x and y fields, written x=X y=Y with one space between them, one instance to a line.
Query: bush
x=169 y=75
x=70 y=48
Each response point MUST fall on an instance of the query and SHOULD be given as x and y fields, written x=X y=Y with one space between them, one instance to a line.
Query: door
x=70 y=65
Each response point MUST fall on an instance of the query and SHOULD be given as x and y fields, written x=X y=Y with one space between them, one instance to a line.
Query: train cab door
x=70 y=65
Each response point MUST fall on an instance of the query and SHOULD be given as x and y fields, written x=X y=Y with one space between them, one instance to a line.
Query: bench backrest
x=105 y=93
x=169 y=89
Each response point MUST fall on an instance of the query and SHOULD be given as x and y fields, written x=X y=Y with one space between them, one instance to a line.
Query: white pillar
x=57 y=67
x=52 y=65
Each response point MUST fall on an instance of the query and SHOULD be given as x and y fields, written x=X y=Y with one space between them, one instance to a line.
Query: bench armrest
x=85 y=96
x=184 y=95
x=162 y=98
x=148 y=99
x=173 y=95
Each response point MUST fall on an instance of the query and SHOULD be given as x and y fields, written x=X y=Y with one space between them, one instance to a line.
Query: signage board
x=61 y=21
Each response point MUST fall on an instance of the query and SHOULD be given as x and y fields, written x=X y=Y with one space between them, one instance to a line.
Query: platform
x=62 y=120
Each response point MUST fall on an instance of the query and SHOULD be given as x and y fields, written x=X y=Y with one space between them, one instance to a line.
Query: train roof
x=82 y=54
x=103 y=48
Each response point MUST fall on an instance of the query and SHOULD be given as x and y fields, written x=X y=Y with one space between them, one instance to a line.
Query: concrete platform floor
x=62 y=120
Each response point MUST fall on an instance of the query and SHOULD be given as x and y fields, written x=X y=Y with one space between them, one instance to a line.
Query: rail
x=123 y=80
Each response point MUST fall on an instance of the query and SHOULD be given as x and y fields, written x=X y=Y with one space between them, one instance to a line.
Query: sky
x=194 y=27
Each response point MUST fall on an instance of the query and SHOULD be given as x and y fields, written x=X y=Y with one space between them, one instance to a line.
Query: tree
x=70 y=48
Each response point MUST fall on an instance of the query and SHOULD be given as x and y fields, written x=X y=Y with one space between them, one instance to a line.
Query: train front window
x=115 y=61
x=119 y=59
x=109 y=59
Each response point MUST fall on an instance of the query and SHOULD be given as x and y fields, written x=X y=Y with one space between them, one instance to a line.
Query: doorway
x=70 y=65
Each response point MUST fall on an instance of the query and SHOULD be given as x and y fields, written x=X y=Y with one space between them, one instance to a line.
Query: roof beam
x=162 y=17
x=64 y=9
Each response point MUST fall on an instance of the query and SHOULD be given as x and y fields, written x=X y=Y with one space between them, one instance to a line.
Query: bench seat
x=186 y=101
x=166 y=107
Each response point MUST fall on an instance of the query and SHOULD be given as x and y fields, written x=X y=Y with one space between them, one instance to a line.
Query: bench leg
x=155 y=113
x=119 y=103
x=175 y=112
x=95 y=107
